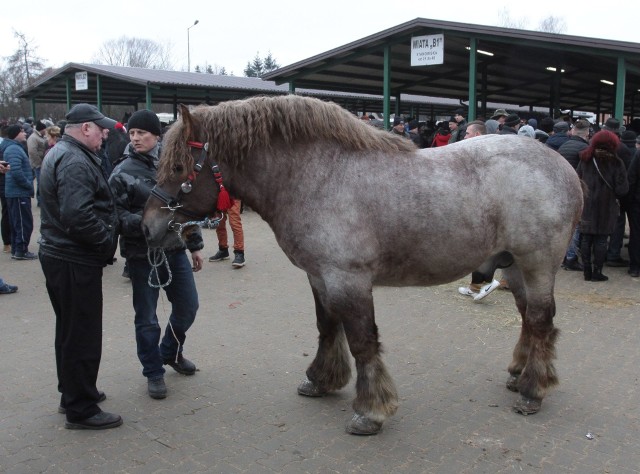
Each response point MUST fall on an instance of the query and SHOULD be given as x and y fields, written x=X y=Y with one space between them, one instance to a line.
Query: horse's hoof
x=512 y=383
x=309 y=389
x=527 y=406
x=361 y=425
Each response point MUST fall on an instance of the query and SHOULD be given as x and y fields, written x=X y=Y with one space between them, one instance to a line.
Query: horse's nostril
x=145 y=231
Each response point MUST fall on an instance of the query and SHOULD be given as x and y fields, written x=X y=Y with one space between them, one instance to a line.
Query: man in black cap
x=79 y=230
x=459 y=129
x=398 y=127
x=511 y=125
x=559 y=136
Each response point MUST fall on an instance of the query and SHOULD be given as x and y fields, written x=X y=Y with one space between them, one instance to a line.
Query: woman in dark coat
x=605 y=176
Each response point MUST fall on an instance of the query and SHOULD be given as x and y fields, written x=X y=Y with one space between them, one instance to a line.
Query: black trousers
x=4 y=221
x=634 y=236
x=75 y=292
x=596 y=245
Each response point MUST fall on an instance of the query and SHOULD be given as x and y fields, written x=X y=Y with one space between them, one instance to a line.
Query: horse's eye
x=178 y=169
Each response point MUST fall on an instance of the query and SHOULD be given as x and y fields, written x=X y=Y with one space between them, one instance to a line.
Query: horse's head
x=189 y=185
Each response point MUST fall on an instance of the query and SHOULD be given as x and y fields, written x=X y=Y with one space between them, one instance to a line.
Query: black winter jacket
x=634 y=181
x=131 y=182
x=571 y=149
x=77 y=209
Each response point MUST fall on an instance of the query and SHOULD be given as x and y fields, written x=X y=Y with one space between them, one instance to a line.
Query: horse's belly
x=426 y=275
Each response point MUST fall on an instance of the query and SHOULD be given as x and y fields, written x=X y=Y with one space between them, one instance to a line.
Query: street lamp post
x=188 y=48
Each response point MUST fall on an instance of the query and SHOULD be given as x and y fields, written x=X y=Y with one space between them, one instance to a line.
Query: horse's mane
x=234 y=128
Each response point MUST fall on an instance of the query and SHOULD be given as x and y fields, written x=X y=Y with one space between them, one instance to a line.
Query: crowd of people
x=91 y=177
x=606 y=158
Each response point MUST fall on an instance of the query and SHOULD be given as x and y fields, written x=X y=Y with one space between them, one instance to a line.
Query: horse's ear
x=187 y=121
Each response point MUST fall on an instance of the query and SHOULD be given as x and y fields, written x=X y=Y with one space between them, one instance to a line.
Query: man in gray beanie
x=131 y=183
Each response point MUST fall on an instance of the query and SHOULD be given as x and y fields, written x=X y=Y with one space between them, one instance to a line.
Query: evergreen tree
x=259 y=66
x=254 y=68
x=270 y=64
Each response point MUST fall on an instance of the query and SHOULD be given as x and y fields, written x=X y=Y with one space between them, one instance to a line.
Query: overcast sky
x=230 y=33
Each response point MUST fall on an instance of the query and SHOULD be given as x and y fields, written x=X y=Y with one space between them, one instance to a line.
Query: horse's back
x=477 y=198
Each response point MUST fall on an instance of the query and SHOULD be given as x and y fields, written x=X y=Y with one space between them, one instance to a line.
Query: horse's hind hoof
x=309 y=389
x=361 y=425
x=527 y=406
x=512 y=383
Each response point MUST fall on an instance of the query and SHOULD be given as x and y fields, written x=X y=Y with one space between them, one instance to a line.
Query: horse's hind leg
x=521 y=350
x=330 y=370
x=531 y=371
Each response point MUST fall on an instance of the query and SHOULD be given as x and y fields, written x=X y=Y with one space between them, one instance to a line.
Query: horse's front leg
x=348 y=299
x=376 y=399
x=330 y=370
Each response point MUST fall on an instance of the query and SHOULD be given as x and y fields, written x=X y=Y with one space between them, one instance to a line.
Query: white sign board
x=82 y=81
x=427 y=50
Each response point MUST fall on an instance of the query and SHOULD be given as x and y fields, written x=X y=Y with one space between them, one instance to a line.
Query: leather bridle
x=172 y=203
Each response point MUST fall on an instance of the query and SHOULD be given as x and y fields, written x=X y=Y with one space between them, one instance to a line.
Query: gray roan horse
x=354 y=207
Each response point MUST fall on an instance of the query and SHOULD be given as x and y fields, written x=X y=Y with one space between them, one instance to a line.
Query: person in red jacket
x=442 y=135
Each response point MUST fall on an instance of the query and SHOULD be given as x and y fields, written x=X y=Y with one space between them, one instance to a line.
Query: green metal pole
x=620 y=87
x=386 y=99
x=473 y=57
x=148 y=97
x=99 y=92
x=68 y=92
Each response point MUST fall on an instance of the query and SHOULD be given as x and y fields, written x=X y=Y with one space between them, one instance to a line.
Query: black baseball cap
x=81 y=113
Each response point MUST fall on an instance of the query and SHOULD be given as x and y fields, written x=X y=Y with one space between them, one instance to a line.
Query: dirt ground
x=252 y=341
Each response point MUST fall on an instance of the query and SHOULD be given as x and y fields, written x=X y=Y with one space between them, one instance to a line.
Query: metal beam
x=620 y=87
x=386 y=88
x=473 y=57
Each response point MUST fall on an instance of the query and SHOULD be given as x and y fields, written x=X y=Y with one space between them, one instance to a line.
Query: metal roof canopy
x=119 y=85
x=516 y=73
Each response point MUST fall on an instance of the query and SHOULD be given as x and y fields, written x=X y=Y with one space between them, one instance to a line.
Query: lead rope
x=156 y=258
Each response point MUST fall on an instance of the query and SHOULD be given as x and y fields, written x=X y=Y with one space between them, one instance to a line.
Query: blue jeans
x=21 y=222
x=183 y=296
x=617 y=237
x=574 y=245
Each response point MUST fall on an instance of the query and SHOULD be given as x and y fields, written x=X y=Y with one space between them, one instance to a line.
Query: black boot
x=587 y=272
x=597 y=275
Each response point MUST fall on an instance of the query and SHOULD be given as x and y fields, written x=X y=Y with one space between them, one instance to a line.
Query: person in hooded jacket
x=131 y=182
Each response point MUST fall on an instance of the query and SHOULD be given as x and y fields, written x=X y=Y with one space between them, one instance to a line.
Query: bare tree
x=506 y=21
x=550 y=24
x=134 y=52
x=553 y=24
x=20 y=70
